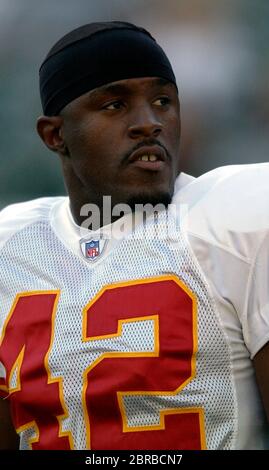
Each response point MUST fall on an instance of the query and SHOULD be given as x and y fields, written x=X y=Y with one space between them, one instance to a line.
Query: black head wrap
x=94 y=55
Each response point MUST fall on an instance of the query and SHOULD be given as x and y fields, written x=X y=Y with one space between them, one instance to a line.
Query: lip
x=156 y=150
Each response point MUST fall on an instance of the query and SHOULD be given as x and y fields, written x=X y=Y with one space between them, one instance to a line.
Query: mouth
x=152 y=158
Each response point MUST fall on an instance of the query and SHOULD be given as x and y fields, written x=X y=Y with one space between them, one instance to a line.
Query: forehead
x=131 y=85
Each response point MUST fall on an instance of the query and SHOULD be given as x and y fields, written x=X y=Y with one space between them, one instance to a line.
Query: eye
x=162 y=101
x=113 y=105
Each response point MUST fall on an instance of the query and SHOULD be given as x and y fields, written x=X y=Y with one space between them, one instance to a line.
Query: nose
x=143 y=123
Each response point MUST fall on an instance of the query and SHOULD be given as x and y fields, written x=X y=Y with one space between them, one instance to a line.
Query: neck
x=93 y=216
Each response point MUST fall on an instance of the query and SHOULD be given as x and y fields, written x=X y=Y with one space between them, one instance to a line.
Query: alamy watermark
x=144 y=220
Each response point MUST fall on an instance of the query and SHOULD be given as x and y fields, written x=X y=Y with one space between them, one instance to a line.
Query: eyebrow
x=119 y=88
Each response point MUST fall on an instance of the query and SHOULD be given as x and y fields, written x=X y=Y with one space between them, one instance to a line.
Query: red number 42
x=37 y=399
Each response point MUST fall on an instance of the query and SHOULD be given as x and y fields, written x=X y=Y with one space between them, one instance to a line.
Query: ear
x=49 y=129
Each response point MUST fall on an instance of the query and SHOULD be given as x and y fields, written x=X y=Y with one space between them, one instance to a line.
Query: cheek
x=171 y=121
x=173 y=130
x=94 y=150
x=96 y=135
x=84 y=139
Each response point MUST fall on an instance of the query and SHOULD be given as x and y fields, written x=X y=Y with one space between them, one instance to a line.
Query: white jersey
x=143 y=340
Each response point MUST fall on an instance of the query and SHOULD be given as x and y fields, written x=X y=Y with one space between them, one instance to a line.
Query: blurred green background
x=220 y=54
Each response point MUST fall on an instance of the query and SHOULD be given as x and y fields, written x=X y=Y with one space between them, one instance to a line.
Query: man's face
x=123 y=141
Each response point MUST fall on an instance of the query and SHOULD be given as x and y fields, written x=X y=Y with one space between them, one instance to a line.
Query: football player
x=147 y=337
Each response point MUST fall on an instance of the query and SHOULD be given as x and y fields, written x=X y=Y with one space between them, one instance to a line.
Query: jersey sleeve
x=228 y=226
x=256 y=317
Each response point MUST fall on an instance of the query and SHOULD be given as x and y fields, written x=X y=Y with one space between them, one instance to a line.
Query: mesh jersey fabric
x=35 y=258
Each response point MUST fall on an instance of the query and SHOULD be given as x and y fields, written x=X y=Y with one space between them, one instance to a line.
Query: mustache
x=146 y=143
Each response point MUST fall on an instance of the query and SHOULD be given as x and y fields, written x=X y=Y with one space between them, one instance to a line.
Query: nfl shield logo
x=92 y=249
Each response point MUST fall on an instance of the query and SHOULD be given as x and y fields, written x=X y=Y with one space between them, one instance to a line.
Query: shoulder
x=229 y=207
x=226 y=223
x=182 y=181
x=16 y=217
x=241 y=180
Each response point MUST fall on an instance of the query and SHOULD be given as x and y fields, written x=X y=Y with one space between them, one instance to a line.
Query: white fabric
x=220 y=254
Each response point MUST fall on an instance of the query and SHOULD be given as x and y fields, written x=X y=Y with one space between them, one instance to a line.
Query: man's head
x=111 y=112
